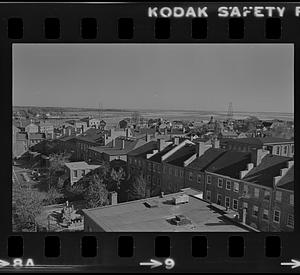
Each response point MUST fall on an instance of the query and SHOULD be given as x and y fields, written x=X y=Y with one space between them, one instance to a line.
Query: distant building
x=45 y=127
x=76 y=170
x=31 y=128
x=276 y=146
x=116 y=149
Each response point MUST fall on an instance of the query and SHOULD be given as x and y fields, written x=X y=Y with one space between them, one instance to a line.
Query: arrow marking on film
x=293 y=263
x=4 y=263
x=152 y=263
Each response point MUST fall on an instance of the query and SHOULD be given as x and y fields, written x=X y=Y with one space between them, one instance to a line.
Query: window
x=208 y=179
x=267 y=195
x=235 y=204
x=148 y=178
x=199 y=178
x=149 y=166
x=236 y=187
x=75 y=173
x=278 y=196
x=276 y=217
x=227 y=202
x=219 y=199
x=277 y=150
x=266 y=214
x=255 y=211
x=140 y=163
x=220 y=183
x=165 y=170
x=246 y=189
x=285 y=150
x=245 y=205
x=170 y=171
x=208 y=195
x=154 y=167
x=290 y=220
x=181 y=173
x=228 y=185
x=190 y=176
x=292 y=199
x=83 y=172
x=256 y=192
x=292 y=148
x=176 y=172
x=158 y=169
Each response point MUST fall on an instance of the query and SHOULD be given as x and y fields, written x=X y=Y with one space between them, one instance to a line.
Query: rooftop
x=129 y=144
x=230 y=164
x=204 y=161
x=260 y=140
x=269 y=168
x=287 y=181
x=157 y=157
x=135 y=216
x=80 y=165
x=181 y=155
x=143 y=150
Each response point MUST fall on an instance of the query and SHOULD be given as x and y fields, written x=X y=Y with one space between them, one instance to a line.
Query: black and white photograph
x=152 y=137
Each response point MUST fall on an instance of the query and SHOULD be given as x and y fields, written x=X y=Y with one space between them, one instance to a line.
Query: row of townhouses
x=256 y=184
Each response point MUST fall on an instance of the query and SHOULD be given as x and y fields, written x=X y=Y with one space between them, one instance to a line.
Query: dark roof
x=129 y=144
x=287 y=181
x=258 y=140
x=143 y=131
x=204 y=161
x=67 y=138
x=143 y=150
x=182 y=155
x=230 y=164
x=269 y=168
x=158 y=155
x=92 y=135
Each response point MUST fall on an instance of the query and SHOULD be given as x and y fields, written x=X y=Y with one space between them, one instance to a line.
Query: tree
x=96 y=194
x=53 y=196
x=136 y=186
x=27 y=205
x=56 y=169
x=123 y=124
x=116 y=176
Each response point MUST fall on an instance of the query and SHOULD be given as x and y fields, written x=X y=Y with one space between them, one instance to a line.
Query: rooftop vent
x=181 y=199
x=151 y=204
x=180 y=220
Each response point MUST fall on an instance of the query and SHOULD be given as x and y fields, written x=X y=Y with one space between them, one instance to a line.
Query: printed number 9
x=169 y=263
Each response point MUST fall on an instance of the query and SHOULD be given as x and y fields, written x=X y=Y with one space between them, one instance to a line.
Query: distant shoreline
x=86 y=109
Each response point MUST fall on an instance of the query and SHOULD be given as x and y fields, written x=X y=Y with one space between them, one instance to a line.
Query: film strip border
x=125 y=23
x=214 y=252
x=90 y=28
x=95 y=23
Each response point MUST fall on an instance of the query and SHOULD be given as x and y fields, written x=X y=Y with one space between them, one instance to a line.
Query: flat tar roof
x=134 y=216
x=80 y=165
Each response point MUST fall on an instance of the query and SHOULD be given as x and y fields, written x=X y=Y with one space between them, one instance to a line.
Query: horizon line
x=148 y=109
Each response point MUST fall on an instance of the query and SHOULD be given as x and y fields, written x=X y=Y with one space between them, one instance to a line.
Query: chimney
x=161 y=144
x=200 y=148
x=147 y=138
x=113 y=198
x=176 y=140
x=123 y=144
x=215 y=143
x=113 y=143
x=257 y=155
x=127 y=132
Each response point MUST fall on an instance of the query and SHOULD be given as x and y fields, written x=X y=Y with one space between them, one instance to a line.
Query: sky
x=254 y=77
